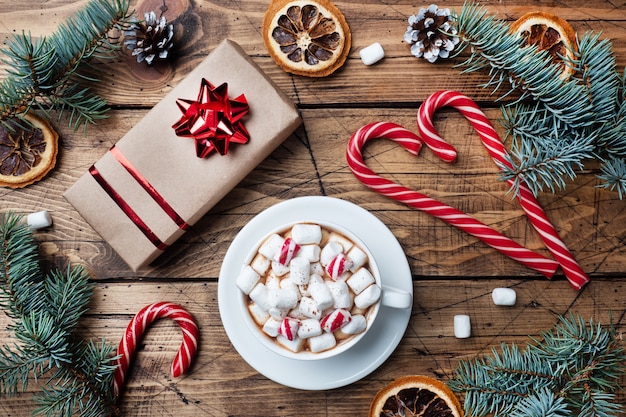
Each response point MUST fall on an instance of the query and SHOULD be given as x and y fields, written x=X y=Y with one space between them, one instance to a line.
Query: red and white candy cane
x=138 y=326
x=412 y=143
x=498 y=153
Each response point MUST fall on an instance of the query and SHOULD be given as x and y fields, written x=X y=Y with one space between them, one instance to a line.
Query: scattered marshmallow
x=279 y=269
x=357 y=257
x=368 y=296
x=345 y=243
x=504 y=296
x=320 y=292
x=247 y=279
x=259 y=295
x=283 y=298
x=259 y=315
x=356 y=325
x=360 y=280
x=300 y=270
x=308 y=308
x=39 y=220
x=322 y=342
x=295 y=345
x=310 y=252
x=271 y=247
x=309 y=328
x=260 y=264
x=462 y=326
x=272 y=326
x=306 y=233
x=372 y=54
x=330 y=250
x=341 y=294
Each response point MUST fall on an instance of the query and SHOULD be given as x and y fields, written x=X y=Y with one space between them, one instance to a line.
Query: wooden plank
x=428 y=347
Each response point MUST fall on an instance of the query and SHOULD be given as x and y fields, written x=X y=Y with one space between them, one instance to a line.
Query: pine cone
x=431 y=34
x=150 y=39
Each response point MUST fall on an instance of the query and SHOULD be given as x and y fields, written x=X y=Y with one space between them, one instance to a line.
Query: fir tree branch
x=75 y=376
x=572 y=370
x=555 y=126
x=45 y=72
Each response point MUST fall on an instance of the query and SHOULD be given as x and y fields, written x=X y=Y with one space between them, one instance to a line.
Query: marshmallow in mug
x=317 y=296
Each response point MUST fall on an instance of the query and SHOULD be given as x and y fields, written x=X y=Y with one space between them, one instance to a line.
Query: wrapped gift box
x=143 y=194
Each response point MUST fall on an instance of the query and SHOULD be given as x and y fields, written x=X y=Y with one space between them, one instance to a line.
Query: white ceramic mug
x=390 y=297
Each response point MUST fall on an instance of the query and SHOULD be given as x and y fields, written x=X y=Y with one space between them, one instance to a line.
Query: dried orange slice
x=413 y=396
x=27 y=153
x=551 y=33
x=306 y=37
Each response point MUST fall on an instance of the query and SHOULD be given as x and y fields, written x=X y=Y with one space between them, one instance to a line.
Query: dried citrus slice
x=551 y=33
x=416 y=396
x=27 y=153
x=306 y=37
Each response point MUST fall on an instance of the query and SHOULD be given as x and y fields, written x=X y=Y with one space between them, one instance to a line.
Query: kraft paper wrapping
x=191 y=185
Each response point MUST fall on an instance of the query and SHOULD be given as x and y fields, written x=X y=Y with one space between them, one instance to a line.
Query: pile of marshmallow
x=309 y=288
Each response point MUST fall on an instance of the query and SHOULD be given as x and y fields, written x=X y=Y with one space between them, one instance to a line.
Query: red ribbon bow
x=213 y=120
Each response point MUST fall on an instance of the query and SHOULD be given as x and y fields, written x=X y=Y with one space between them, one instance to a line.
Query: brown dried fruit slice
x=413 y=396
x=551 y=33
x=27 y=153
x=306 y=37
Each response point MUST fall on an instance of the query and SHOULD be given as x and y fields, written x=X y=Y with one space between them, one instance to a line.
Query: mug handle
x=396 y=298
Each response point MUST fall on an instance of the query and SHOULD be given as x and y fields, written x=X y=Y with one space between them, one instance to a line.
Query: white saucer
x=379 y=342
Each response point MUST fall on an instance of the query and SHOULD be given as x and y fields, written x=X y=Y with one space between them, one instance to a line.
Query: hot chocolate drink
x=309 y=288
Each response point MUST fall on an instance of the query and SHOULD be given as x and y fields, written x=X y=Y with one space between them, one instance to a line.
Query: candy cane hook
x=412 y=143
x=490 y=138
x=138 y=326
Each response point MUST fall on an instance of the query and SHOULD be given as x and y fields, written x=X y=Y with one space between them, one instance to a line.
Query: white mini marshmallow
x=39 y=220
x=335 y=320
x=320 y=292
x=368 y=296
x=328 y=253
x=272 y=326
x=345 y=243
x=260 y=264
x=309 y=328
x=317 y=268
x=283 y=298
x=360 y=280
x=309 y=308
x=357 y=257
x=341 y=294
x=271 y=246
x=277 y=313
x=279 y=269
x=356 y=325
x=322 y=342
x=310 y=252
x=247 y=279
x=259 y=315
x=462 y=326
x=304 y=233
x=372 y=54
x=259 y=295
x=504 y=296
x=295 y=345
x=272 y=282
x=300 y=270
x=288 y=283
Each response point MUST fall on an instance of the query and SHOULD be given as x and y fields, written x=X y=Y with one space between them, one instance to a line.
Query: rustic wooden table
x=452 y=272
